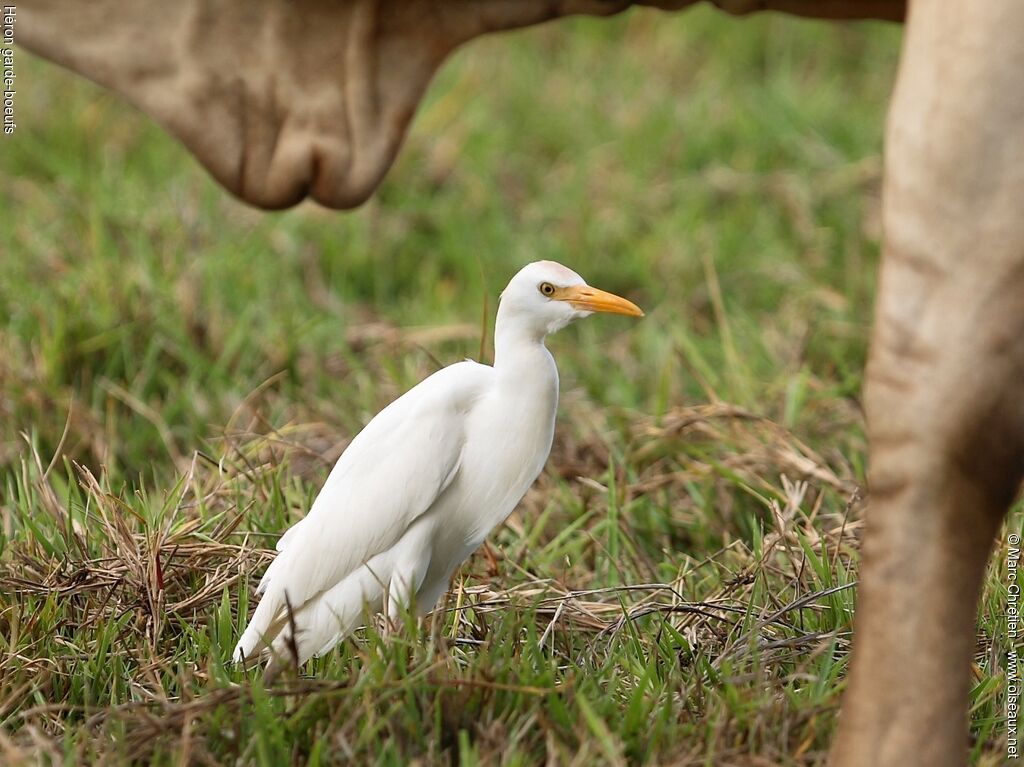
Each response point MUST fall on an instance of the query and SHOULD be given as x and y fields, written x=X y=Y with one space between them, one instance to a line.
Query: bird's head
x=548 y=296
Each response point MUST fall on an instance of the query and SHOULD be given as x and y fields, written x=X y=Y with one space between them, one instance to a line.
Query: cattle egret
x=426 y=481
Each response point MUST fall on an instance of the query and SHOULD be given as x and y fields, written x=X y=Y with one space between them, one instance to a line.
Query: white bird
x=426 y=481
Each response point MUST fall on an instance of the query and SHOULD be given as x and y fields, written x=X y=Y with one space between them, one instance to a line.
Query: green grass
x=178 y=372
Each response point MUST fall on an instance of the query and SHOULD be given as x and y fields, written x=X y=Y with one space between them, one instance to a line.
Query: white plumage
x=425 y=482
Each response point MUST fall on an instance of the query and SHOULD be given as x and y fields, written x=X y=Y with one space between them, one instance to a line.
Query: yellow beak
x=595 y=300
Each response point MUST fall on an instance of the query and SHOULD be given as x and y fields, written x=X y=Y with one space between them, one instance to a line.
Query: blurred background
x=722 y=173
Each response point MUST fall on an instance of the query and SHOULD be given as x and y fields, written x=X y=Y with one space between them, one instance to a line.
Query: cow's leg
x=944 y=396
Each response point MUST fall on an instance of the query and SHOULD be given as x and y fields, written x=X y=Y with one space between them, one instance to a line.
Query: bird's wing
x=389 y=475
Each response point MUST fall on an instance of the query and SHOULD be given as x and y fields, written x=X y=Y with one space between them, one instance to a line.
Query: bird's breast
x=507 y=444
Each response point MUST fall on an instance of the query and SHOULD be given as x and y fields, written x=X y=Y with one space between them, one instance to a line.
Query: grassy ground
x=178 y=372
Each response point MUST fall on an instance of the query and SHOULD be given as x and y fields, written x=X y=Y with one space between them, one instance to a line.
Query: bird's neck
x=519 y=347
x=527 y=377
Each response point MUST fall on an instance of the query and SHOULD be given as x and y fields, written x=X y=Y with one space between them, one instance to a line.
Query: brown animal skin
x=283 y=100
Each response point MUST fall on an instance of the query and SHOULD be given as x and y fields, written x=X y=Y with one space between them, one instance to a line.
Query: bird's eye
x=547 y=288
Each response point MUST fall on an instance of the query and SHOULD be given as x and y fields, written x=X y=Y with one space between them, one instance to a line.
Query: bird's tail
x=265 y=625
x=286 y=636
